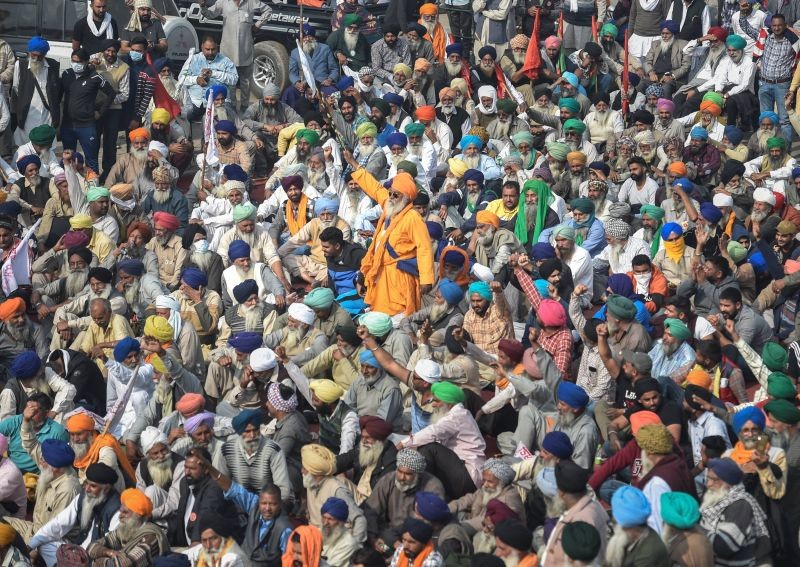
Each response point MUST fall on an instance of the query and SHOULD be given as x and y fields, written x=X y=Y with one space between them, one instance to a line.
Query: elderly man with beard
x=159 y=474
x=573 y=178
x=29 y=376
x=373 y=457
x=768 y=123
x=129 y=166
x=227 y=364
x=604 y=125
x=421 y=150
x=493 y=245
x=734 y=522
x=323 y=64
x=166 y=197
x=633 y=541
x=31 y=190
x=616 y=258
x=455 y=117
x=497 y=484
x=18 y=333
x=298 y=341
x=471 y=147
x=58 y=206
x=374 y=392
x=349 y=45
x=144 y=182
x=215 y=213
x=138 y=235
x=57 y=485
x=338 y=543
x=672 y=354
x=307 y=140
x=584 y=229
x=773 y=171
x=650 y=233
x=666 y=63
x=94 y=201
x=168 y=131
x=702 y=155
x=291 y=428
x=507 y=123
x=217 y=546
x=139 y=289
x=73 y=268
x=199 y=305
x=92 y=513
x=168 y=248
x=261 y=248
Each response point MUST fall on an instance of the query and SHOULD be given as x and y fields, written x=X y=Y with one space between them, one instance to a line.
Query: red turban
x=497 y=511
x=190 y=404
x=718 y=32
x=11 y=307
x=167 y=221
x=426 y=112
x=513 y=349
x=552 y=314
x=143 y=228
x=376 y=427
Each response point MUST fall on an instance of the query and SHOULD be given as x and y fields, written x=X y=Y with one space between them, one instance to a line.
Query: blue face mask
x=546 y=481
x=136 y=56
x=201 y=246
x=78 y=68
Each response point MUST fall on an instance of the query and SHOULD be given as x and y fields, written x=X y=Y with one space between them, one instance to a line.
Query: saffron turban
x=426 y=113
x=136 y=501
x=711 y=107
x=422 y=64
x=487 y=217
x=79 y=423
x=318 y=460
x=138 y=133
x=11 y=307
x=678 y=169
x=165 y=220
x=404 y=183
x=428 y=9
x=190 y=403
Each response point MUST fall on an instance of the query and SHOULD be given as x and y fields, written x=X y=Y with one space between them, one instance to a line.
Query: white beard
x=392 y=209
x=473 y=162
x=332 y=535
x=614 y=253
x=252 y=317
x=448 y=109
x=712 y=497
x=160 y=196
x=242 y=273
x=566 y=419
x=202 y=260
x=317 y=179
x=758 y=216
x=483 y=542
x=140 y=156
x=647 y=464
x=453 y=69
x=87 y=511
x=487 y=238
x=132 y=292
x=45 y=478
x=76 y=281
x=161 y=471
x=292 y=337
x=105 y=294
x=512 y=560
x=666 y=46
x=250 y=446
x=350 y=40
x=405 y=487
x=310 y=46
x=519 y=58
x=248 y=237
x=80 y=449
x=127 y=528
x=501 y=129
x=396 y=159
x=35 y=66
x=617 y=547
x=368 y=455
x=415 y=149
x=366 y=150
x=438 y=413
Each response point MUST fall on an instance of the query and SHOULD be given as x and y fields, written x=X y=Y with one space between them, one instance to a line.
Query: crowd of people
x=448 y=301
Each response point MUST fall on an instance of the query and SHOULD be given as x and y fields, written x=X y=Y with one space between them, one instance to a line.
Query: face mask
x=643 y=279
x=78 y=68
x=201 y=246
x=546 y=481
x=136 y=56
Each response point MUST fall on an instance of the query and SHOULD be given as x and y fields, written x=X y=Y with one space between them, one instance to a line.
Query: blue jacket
x=595 y=239
x=323 y=64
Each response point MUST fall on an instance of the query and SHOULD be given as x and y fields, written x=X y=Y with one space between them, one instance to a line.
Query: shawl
x=295 y=223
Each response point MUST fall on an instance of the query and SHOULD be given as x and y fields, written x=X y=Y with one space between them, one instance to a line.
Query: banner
x=17 y=268
x=305 y=65
x=208 y=130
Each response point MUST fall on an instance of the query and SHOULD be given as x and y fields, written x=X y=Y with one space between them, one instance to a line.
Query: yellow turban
x=318 y=460
x=158 y=364
x=458 y=167
x=158 y=328
x=81 y=221
x=488 y=217
x=160 y=116
x=326 y=390
x=402 y=68
x=136 y=501
x=576 y=157
x=7 y=535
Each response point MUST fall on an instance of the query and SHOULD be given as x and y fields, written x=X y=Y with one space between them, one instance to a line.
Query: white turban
x=263 y=359
x=764 y=195
x=233 y=185
x=428 y=370
x=168 y=302
x=302 y=313
x=151 y=437
x=159 y=147
x=483 y=273
x=722 y=200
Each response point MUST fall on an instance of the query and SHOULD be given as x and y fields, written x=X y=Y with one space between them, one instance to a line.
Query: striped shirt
x=266 y=466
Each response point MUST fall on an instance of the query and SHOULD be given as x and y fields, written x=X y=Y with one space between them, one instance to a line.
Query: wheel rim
x=263 y=71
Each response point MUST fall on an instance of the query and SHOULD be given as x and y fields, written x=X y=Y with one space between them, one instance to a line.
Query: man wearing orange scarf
x=295 y=212
x=513 y=541
x=304 y=547
x=429 y=17
x=398 y=267
x=417 y=549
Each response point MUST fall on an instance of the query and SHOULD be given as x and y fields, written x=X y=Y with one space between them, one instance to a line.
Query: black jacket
x=79 y=93
x=89 y=384
x=386 y=464
x=208 y=500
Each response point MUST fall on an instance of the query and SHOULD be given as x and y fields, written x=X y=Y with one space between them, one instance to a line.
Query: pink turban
x=665 y=104
x=552 y=313
x=552 y=41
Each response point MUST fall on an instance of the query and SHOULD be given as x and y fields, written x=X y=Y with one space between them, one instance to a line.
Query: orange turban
x=422 y=64
x=699 y=378
x=11 y=307
x=486 y=217
x=447 y=92
x=642 y=418
x=426 y=113
x=137 y=502
x=139 y=133
x=79 y=423
x=428 y=9
x=711 y=107
x=190 y=403
x=678 y=169
x=404 y=183
x=576 y=157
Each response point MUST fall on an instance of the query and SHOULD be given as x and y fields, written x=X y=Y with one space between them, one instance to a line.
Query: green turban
x=609 y=29
x=366 y=129
x=736 y=42
x=677 y=329
x=95 y=193
x=522 y=137
x=736 y=251
x=780 y=386
x=42 y=135
x=352 y=20
x=679 y=510
x=244 y=211
x=558 y=150
x=583 y=205
x=482 y=289
x=621 y=307
x=378 y=324
x=574 y=124
x=319 y=298
x=570 y=104
x=447 y=392
x=655 y=213
x=409 y=167
x=310 y=136
x=564 y=231
x=774 y=356
x=715 y=97
x=415 y=129
x=544 y=199
x=783 y=411
x=776 y=142
x=381 y=104
x=507 y=105
x=580 y=541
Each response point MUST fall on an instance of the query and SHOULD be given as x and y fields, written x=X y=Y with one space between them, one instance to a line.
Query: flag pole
x=625 y=80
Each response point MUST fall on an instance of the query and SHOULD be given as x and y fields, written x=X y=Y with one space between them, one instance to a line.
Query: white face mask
x=643 y=280
x=201 y=246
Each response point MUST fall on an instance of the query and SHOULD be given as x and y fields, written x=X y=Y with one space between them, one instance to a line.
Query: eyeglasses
x=395 y=195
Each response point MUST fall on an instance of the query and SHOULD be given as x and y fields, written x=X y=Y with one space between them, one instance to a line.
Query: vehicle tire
x=270 y=63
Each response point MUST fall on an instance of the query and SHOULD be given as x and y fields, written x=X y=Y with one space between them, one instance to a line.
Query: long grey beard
x=202 y=260
x=80 y=449
x=763 y=136
x=366 y=150
x=647 y=234
x=483 y=542
x=35 y=66
x=392 y=209
x=350 y=40
x=317 y=179
x=248 y=237
x=76 y=281
x=647 y=465
x=453 y=69
x=160 y=196
x=332 y=535
x=16 y=332
x=614 y=254
x=368 y=455
x=43 y=483
x=253 y=319
x=566 y=419
x=415 y=149
x=250 y=446
x=132 y=292
x=396 y=159
x=140 y=156
x=519 y=58
x=244 y=274
x=758 y=216
x=438 y=310
x=161 y=472
x=292 y=337
x=666 y=46
x=501 y=129
x=617 y=547
x=602 y=118
x=309 y=47
x=128 y=528
x=669 y=349
x=599 y=203
x=87 y=510
x=105 y=294
x=473 y=162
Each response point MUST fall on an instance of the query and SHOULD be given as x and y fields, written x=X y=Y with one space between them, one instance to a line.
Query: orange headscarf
x=93 y=455
x=138 y=133
x=11 y=307
x=439 y=37
x=310 y=545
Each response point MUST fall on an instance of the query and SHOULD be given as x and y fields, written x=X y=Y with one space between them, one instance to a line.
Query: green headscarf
x=544 y=199
x=585 y=206
x=656 y=213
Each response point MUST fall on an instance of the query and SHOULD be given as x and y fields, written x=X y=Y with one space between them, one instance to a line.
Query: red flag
x=501 y=82
x=533 y=59
x=161 y=97
x=594 y=29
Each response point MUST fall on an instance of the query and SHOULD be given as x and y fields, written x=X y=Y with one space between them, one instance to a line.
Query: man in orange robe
x=429 y=17
x=400 y=247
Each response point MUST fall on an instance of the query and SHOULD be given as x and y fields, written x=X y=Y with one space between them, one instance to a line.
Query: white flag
x=305 y=64
x=208 y=129
x=17 y=268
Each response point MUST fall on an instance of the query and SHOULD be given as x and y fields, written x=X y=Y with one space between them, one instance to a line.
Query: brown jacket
x=690 y=548
x=585 y=510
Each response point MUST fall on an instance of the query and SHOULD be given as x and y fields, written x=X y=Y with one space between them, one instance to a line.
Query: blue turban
x=572 y=395
x=366 y=357
x=672 y=26
x=25 y=161
x=432 y=508
x=216 y=90
x=669 y=228
x=470 y=140
x=482 y=289
x=396 y=139
x=226 y=126
x=796 y=173
x=234 y=172
x=543 y=251
x=451 y=291
x=345 y=83
x=571 y=78
x=454 y=258
x=132 y=267
x=393 y=98
x=244 y=290
x=247 y=417
x=699 y=133
x=557 y=443
x=543 y=287
x=417 y=529
x=630 y=507
x=57 y=453
x=475 y=175
x=336 y=507
x=685 y=183
x=125 y=347
x=734 y=134
x=38 y=44
x=435 y=230
x=751 y=413
x=172 y=560
x=246 y=342
x=26 y=365
x=633 y=79
x=194 y=278
x=710 y=212
x=454 y=48
x=769 y=115
x=308 y=29
x=326 y=205
x=238 y=249
x=12 y=209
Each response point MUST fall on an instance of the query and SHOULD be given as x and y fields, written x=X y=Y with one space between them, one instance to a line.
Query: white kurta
x=37 y=113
